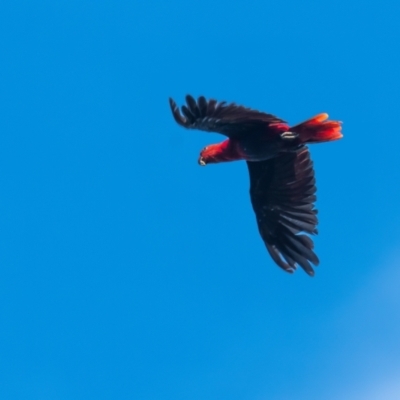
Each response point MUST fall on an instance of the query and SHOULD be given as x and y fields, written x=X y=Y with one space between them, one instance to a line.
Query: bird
x=282 y=179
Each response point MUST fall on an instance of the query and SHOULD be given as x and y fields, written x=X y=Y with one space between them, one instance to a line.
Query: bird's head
x=209 y=155
x=220 y=152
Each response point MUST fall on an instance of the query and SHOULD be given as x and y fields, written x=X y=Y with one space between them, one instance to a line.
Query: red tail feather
x=318 y=129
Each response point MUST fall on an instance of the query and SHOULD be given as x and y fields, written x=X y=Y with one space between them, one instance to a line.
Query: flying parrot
x=282 y=182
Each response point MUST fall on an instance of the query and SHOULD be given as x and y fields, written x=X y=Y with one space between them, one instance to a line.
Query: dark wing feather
x=282 y=192
x=228 y=119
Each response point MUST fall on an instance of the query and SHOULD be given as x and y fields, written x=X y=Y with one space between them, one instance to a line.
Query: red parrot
x=282 y=183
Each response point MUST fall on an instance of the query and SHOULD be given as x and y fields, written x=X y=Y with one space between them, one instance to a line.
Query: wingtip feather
x=176 y=113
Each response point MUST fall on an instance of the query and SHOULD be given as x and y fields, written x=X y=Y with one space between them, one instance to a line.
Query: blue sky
x=129 y=272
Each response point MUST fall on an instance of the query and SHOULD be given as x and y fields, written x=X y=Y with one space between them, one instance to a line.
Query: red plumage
x=282 y=183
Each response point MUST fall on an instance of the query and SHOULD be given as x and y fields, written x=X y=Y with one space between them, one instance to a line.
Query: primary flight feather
x=282 y=183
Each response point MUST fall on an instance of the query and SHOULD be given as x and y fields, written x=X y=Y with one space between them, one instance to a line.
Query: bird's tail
x=318 y=129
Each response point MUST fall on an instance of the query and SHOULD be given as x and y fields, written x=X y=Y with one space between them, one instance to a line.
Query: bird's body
x=282 y=184
x=257 y=148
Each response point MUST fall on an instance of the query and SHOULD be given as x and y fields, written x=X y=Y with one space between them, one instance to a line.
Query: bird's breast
x=258 y=149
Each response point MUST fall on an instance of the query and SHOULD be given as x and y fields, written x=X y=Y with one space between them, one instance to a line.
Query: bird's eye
x=205 y=148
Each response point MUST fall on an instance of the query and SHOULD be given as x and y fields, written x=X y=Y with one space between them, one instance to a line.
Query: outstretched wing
x=282 y=192
x=228 y=119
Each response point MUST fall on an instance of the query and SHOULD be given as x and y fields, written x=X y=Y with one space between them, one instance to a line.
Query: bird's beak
x=202 y=162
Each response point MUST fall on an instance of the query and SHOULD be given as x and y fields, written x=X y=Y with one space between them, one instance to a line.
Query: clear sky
x=129 y=272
